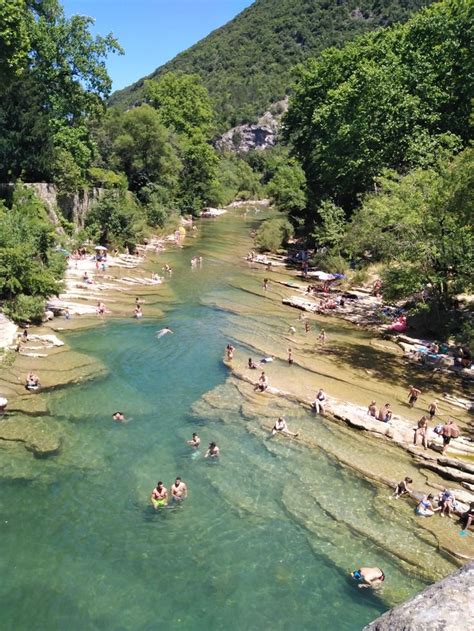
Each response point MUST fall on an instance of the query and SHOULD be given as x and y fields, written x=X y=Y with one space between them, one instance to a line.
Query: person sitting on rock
x=372 y=409
x=262 y=384
x=385 y=413
x=467 y=518
x=425 y=508
x=402 y=488
x=319 y=401
x=446 y=502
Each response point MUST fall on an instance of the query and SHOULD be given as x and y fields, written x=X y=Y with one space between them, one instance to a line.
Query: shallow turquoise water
x=80 y=547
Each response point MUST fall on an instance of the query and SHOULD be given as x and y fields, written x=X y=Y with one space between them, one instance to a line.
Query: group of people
x=383 y=414
x=179 y=490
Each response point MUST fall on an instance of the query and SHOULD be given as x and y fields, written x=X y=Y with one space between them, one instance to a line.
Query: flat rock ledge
x=445 y=606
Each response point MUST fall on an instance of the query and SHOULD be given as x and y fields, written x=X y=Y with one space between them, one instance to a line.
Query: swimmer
x=213 y=451
x=195 y=441
x=163 y=331
x=251 y=364
x=119 y=417
x=159 y=496
x=179 y=490
x=281 y=427
x=369 y=577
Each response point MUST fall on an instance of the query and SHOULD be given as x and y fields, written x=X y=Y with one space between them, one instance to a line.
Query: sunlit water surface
x=254 y=546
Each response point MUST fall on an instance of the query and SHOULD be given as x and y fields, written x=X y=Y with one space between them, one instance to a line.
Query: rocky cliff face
x=73 y=207
x=445 y=606
x=261 y=135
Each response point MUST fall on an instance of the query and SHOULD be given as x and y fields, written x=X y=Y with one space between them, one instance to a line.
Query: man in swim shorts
x=179 y=490
x=413 y=395
x=369 y=577
x=159 y=496
x=195 y=441
x=212 y=451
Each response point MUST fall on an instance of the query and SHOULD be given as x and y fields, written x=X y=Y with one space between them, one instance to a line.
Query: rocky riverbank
x=447 y=605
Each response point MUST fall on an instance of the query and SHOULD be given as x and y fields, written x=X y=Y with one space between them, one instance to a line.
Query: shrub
x=273 y=233
x=25 y=309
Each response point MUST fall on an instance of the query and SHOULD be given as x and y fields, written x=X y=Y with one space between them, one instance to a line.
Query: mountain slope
x=246 y=64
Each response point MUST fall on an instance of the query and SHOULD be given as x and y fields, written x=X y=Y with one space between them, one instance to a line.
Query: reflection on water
x=268 y=534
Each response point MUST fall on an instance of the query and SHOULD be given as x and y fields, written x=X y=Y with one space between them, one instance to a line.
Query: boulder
x=445 y=606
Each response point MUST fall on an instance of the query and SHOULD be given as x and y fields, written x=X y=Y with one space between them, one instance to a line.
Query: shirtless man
x=413 y=395
x=163 y=331
x=159 y=496
x=372 y=409
x=195 y=441
x=212 y=451
x=385 y=413
x=119 y=417
x=433 y=408
x=369 y=577
x=422 y=430
x=281 y=427
x=179 y=490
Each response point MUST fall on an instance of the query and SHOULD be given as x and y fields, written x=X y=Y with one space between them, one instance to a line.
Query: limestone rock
x=444 y=606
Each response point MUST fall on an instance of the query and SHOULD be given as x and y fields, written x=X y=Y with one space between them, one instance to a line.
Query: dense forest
x=246 y=65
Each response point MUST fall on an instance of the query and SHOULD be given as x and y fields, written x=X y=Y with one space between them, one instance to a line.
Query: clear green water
x=263 y=542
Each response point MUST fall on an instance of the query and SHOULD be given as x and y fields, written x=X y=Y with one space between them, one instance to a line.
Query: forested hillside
x=246 y=64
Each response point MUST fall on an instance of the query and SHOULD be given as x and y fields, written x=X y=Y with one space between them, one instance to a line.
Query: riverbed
x=269 y=533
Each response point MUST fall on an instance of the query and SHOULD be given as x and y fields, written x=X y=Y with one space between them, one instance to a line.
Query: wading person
x=179 y=490
x=213 y=451
x=413 y=395
x=159 y=496
x=282 y=428
x=195 y=441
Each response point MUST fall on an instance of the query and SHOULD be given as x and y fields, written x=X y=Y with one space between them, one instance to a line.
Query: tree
x=273 y=233
x=56 y=87
x=182 y=103
x=388 y=100
x=421 y=227
x=287 y=188
x=143 y=149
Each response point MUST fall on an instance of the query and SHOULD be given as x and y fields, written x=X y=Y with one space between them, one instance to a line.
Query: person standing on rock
x=422 y=430
x=450 y=430
x=290 y=356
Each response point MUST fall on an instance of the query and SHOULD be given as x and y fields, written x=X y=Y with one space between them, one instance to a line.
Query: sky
x=152 y=31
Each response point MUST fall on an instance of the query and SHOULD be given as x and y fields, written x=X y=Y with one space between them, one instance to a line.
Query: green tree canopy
x=386 y=100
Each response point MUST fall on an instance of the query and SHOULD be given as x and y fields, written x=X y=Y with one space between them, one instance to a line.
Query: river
x=268 y=534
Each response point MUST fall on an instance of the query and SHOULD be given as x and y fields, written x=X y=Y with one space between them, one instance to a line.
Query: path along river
x=267 y=536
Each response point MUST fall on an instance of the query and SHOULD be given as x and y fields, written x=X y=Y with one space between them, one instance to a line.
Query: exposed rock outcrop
x=261 y=135
x=445 y=606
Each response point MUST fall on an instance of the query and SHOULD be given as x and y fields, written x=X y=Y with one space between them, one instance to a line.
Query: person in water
x=402 y=488
x=159 y=496
x=119 y=417
x=251 y=364
x=32 y=381
x=413 y=395
x=281 y=427
x=179 y=490
x=163 y=331
x=195 y=441
x=425 y=508
x=369 y=577
x=213 y=451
